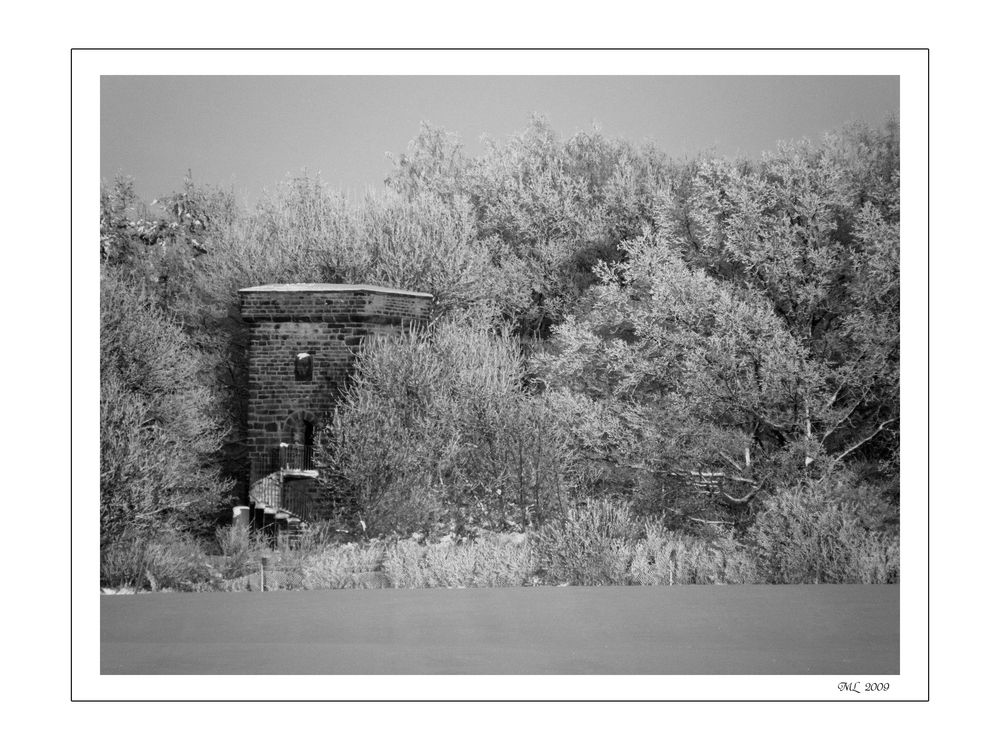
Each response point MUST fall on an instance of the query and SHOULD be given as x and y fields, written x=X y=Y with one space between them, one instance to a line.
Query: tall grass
x=667 y=558
x=592 y=545
x=604 y=543
x=484 y=562
x=172 y=561
x=343 y=566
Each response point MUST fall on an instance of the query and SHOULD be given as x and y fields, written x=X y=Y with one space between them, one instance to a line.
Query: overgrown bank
x=598 y=543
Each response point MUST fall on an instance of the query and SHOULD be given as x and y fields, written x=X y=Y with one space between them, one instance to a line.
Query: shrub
x=436 y=432
x=241 y=549
x=877 y=561
x=668 y=558
x=592 y=545
x=603 y=543
x=172 y=561
x=804 y=536
x=234 y=540
x=123 y=563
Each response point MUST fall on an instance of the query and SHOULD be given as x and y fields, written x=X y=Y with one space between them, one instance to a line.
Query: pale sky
x=250 y=132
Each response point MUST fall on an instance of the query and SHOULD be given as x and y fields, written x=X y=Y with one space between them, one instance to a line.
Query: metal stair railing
x=295 y=457
x=270 y=488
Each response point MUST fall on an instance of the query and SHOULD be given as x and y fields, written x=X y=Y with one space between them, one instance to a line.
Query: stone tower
x=302 y=342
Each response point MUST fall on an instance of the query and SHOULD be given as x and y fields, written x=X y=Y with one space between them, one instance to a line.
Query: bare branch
x=861 y=442
x=836 y=393
x=730 y=461
x=840 y=421
x=699 y=520
x=742 y=500
x=742 y=480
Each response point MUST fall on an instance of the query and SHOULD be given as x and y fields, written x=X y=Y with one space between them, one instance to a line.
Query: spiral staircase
x=279 y=503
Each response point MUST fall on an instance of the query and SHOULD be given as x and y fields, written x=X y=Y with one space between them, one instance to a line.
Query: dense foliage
x=158 y=429
x=713 y=344
x=438 y=432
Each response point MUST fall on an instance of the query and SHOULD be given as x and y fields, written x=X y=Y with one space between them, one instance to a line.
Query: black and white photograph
x=523 y=375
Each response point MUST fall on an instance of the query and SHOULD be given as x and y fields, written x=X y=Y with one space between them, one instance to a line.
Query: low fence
x=280 y=572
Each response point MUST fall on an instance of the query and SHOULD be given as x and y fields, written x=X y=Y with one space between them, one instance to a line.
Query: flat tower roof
x=333 y=288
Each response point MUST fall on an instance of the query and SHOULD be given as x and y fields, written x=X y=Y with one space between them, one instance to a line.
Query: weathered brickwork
x=328 y=322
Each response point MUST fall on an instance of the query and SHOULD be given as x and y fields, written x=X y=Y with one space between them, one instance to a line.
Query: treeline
x=711 y=343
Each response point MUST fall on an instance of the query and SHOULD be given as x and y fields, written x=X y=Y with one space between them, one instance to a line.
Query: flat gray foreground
x=836 y=630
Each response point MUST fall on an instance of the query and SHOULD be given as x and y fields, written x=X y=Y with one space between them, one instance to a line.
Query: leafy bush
x=436 y=432
x=807 y=534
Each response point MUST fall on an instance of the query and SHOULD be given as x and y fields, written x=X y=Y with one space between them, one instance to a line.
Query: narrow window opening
x=303 y=367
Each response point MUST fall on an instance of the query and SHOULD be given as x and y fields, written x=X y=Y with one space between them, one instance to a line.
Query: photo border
x=86 y=67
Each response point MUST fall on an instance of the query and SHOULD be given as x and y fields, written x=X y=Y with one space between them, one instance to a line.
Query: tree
x=815 y=230
x=756 y=330
x=158 y=435
x=547 y=209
